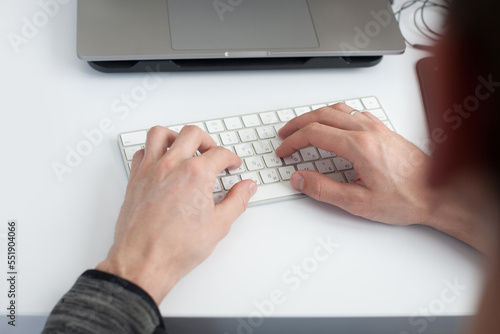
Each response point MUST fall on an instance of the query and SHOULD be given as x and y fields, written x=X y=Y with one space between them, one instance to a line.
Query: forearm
x=103 y=303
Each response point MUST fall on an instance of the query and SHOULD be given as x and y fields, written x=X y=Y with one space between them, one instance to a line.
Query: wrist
x=156 y=284
x=446 y=213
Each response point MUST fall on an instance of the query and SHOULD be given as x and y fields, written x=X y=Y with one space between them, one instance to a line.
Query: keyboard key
x=286 y=172
x=216 y=139
x=305 y=166
x=230 y=181
x=251 y=120
x=285 y=115
x=302 y=110
x=325 y=154
x=293 y=159
x=324 y=166
x=130 y=151
x=254 y=163
x=278 y=127
x=247 y=135
x=309 y=153
x=244 y=150
x=218 y=186
x=370 y=103
x=276 y=142
x=266 y=132
x=275 y=191
x=233 y=123
x=272 y=160
x=251 y=176
x=230 y=148
x=262 y=147
x=238 y=170
x=229 y=138
x=379 y=113
x=268 y=118
x=133 y=138
x=269 y=176
x=355 y=104
x=215 y=126
x=341 y=163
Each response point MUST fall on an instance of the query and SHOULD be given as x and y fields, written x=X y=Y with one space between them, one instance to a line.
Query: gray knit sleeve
x=102 y=303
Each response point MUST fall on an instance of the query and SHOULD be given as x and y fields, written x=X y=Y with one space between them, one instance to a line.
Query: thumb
x=328 y=188
x=236 y=201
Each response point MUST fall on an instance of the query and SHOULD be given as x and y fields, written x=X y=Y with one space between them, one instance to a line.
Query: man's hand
x=390 y=183
x=168 y=223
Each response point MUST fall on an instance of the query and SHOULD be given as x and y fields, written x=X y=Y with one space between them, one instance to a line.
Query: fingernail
x=253 y=188
x=297 y=181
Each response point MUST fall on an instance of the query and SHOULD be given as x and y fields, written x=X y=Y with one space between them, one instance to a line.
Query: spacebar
x=274 y=192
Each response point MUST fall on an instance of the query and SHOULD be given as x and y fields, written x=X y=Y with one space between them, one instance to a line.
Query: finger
x=235 y=202
x=346 y=196
x=157 y=141
x=219 y=158
x=354 y=112
x=342 y=107
x=335 y=116
x=190 y=139
x=316 y=134
x=371 y=116
x=136 y=162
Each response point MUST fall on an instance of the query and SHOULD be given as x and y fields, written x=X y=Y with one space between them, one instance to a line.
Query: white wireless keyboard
x=254 y=137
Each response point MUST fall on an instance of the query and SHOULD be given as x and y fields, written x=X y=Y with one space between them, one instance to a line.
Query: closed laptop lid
x=192 y=29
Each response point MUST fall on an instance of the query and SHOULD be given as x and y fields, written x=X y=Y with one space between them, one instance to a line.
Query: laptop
x=190 y=35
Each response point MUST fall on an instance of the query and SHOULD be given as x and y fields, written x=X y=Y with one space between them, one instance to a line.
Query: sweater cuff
x=104 y=303
x=127 y=285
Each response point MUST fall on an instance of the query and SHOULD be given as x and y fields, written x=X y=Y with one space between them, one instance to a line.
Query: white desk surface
x=49 y=97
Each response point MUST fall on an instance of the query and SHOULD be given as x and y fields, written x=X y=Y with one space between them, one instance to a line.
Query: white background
x=49 y=97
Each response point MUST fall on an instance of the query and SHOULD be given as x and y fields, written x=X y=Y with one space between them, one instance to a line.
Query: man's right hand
x=391 y=181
